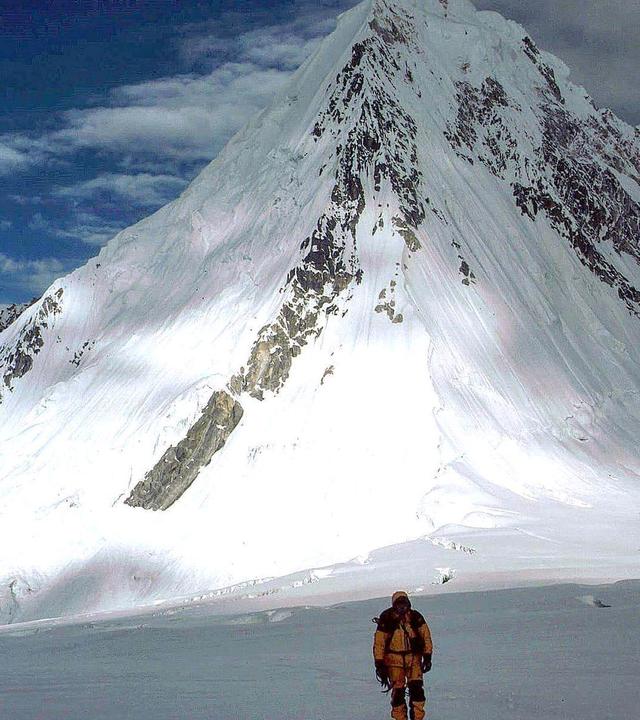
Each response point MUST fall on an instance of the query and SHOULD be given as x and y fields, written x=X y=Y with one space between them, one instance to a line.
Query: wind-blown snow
x=477 y=374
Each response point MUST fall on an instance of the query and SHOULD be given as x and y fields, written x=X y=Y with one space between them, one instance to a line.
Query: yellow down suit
x=401 y=641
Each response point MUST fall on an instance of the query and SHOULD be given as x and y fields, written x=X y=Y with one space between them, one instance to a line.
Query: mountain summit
x=402 y=303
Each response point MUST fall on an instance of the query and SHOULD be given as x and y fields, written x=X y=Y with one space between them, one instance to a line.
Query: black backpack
x=389 y=622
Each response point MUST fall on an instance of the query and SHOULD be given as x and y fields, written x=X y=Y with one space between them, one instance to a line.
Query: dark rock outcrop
x=11 y=313
x=480 y=127
x=387 y=304
x=584 y=201
x=382 y=143
x=17 y=360
x=572 y=178
x=176 y=470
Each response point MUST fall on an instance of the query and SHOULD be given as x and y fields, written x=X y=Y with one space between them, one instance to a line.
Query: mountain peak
x=410 y=7
x=418 y=268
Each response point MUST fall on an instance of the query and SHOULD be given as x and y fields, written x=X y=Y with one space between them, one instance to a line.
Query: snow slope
x=401 y=301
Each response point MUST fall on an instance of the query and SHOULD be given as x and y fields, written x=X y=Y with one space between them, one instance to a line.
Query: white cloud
x=7 y=265
x=156 y=133
x=26 y=199
x=273 y=48
x=283 y=48
x=19 y=152
x=32 y=275
x=144 y=189
x=187 y=116
x=90 y=229
x=10 y=157
x=284 y=45
x=38 y=222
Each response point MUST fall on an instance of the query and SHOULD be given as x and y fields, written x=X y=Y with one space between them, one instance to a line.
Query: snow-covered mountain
x=10 y=313
x=402 y=302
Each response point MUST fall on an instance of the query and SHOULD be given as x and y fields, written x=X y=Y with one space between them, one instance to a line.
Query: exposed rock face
x=327 y=373
x=547 y=73
x=16 y=590
x=585 y=201
x=410 y=239
x=387 y=304
x=479 y=123
x=17 y=360
x=381 y=142
x=87 y=346
x=468 y=276
x=580 y=195
x=383 y=137
x=179 y=466
x=11 y=313
x=326 y=270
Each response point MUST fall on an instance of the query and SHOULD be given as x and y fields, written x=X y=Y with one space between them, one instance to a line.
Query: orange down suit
x=401 y=643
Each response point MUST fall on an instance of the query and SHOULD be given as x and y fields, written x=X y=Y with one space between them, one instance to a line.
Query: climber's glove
x=382 y=674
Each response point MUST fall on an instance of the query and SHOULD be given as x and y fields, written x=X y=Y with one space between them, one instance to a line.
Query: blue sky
x=109 y=107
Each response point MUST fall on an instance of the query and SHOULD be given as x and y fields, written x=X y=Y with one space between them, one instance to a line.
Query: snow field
x=521 y=654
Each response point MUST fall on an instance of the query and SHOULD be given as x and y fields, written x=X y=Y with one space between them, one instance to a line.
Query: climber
x=402 y=650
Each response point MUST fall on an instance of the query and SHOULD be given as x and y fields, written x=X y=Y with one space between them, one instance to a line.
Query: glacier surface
x=567 y=652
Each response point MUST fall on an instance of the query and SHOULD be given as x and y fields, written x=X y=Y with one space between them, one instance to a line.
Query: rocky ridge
x=19 y=358
x=11 y=313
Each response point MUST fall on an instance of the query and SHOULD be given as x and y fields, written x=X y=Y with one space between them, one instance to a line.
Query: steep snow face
x=404 y=297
